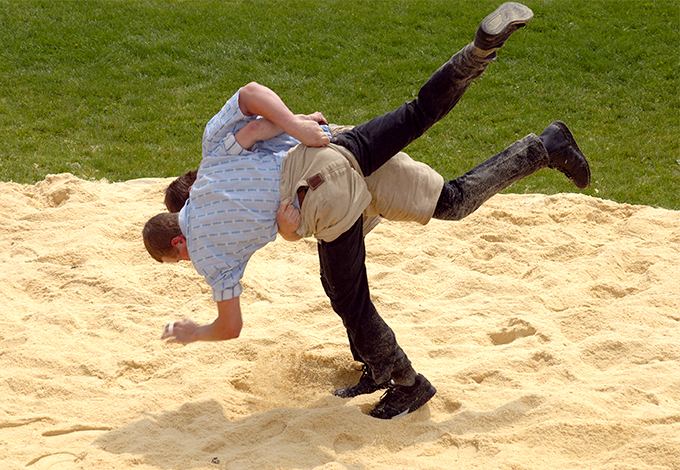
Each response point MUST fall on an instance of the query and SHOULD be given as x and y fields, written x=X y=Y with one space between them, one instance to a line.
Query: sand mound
x=550 y=326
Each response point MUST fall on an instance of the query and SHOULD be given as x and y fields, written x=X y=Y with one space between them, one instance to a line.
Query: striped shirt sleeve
x=220 y=132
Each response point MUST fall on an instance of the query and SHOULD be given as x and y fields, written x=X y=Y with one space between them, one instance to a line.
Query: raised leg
x=376 y=141
x=462 y=196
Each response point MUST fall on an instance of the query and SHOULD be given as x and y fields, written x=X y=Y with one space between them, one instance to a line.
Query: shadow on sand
x=198 y=434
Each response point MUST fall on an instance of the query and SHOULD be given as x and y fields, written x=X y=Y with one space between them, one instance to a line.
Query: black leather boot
x=365 y=386
x=497 y=27
x=565 y=155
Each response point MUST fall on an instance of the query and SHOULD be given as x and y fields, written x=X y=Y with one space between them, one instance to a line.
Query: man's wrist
x=290 y=236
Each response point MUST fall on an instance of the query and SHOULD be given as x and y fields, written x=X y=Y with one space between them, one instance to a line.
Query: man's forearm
x=256 y=99
x=290 y=236
x=213 y=332
x=255 y=131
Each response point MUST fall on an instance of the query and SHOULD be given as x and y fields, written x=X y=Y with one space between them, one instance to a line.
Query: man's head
x=177 y=193
x=163 y=238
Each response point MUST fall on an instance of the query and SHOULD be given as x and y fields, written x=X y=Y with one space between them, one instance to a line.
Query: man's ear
x=179 y=240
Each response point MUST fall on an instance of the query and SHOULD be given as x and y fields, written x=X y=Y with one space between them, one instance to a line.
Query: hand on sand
x=182 y=331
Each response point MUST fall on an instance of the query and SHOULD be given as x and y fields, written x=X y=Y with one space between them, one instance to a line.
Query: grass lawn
x=121 y=89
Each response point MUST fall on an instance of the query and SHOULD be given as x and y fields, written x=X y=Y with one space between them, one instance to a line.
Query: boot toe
x=575 y=166
x=565 y=154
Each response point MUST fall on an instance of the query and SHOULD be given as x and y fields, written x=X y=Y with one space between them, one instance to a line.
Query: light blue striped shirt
x=231 y=211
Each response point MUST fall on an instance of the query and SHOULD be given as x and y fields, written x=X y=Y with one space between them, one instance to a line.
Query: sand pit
x=550 y=326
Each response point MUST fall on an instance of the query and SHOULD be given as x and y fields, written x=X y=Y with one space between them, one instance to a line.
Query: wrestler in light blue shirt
x=231 y=211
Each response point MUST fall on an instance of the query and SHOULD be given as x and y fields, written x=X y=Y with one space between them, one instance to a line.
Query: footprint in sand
x=62 y=460
x=55 y=461
x=516 y=329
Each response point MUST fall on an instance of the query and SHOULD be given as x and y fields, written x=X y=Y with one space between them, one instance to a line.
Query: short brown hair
x=158 y=233
x=177 y=193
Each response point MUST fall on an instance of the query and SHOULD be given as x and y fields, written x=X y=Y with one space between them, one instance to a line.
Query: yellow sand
x=550 y=326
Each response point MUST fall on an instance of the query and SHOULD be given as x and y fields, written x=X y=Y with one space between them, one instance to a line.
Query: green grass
x=123 y=89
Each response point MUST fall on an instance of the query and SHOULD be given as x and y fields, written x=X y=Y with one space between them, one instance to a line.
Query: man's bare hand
x=316 y=117
x=288 y=219
x=309 y=132
x=182 y=331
